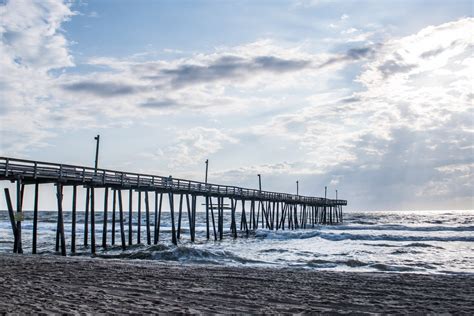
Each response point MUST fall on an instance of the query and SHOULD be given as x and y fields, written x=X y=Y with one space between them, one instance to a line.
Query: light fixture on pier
x=207 y=168
x=97 y=138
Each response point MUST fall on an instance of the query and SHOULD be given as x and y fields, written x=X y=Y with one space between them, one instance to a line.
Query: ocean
x=403 y=241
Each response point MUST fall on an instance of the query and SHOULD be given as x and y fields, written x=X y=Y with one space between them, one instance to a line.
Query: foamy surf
x=416 y=242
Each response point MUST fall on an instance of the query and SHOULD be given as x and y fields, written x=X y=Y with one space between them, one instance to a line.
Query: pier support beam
x=73 y=219
x=12 y=218
x=121 y=217
x=173 y=229
x=157 y=217
x=59 y=196
x=35 y=219
x=130 y=217
x=114 y=207
x=20 y=190
x=86 y=217
x=147 y=219
x=104 y=226
x=93 y=220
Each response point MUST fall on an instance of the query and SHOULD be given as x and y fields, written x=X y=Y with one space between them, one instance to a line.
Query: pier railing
x=252 y=208
x=44 y=172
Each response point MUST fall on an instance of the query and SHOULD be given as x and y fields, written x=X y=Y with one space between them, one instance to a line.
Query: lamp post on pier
x=207 y=168
x=97 y=138
x=259 y=182
x=297 y=187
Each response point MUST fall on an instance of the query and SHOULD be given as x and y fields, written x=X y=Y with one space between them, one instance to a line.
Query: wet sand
x=51 y=284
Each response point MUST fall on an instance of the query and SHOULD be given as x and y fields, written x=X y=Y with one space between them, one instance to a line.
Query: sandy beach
x=85 y=285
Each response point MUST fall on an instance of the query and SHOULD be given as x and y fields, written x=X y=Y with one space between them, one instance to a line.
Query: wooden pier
x=248 y=209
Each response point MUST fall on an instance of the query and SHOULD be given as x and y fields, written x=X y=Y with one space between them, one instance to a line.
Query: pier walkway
x=252 y=208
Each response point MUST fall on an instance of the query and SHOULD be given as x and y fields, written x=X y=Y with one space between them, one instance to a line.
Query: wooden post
x=190 y=221
x=277 y=215
x=265 y=213
x=114 y=207
x=180 y=212
x=122 y=229
x=139 y=217
x=147 y=218
x=233 y=225
x=73 y=219
x=130 y=217
x=104 y=227
x=258 y=215
x=295 y=220
x=213 y=221
x=193 y=208
x=20 y=189
x=173 y=229
x=157 y=218
x=92 y=221
x=250 y=215
x=207 y=217
x=57 y=236
x=218 y=215
x=243 y=219
x=35 y=218
x=12 y=218
x=283 y=215
x=86 y=217
x=252 y=211
x=61 y=218
x=290 y=217
x=273 y=214
x=221 y=217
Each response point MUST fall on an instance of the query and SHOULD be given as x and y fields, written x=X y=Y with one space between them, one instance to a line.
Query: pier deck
x=270 y=210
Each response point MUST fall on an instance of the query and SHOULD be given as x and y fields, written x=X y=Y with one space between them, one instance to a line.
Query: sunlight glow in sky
x=373 y=98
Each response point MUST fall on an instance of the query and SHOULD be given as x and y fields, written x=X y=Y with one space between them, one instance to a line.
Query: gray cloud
x=223 y=68
x=101 y=89
x=158 y=104
x=437 y=51
x=351 y=54
x=228 y=67
x=391 y=67
x=350 y=100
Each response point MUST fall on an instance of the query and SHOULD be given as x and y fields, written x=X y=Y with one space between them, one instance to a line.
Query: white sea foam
x=420 y=242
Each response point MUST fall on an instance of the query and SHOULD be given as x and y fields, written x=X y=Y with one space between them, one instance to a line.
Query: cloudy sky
x=373 y=98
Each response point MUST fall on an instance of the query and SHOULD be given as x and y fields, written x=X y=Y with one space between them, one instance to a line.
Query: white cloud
x=397 y=135
x=193 y=146
x=32 y=45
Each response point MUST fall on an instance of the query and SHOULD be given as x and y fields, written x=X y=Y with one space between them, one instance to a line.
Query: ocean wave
x=182 y=254
x=422 y=245
x=346 y=236
x=286 y=234
x=272 y=250
x=392 y=268
x=405 y=251
x=321 y=263
x=402 y=228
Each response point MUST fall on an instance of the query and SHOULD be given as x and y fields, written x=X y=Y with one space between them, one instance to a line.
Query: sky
x=370 y=98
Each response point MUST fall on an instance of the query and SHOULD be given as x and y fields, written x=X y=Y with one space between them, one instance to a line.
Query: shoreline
x=53 y=284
